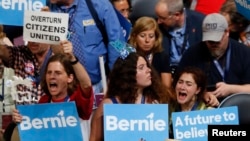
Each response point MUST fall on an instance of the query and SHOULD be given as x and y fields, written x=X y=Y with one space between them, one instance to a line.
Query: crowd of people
x=183 y=57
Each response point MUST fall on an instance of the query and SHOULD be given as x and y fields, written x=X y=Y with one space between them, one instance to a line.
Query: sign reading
x=136 y=122
x=192 y=125
x=45 y=27
x=50 y=122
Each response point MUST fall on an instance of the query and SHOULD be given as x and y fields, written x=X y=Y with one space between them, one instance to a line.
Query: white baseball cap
x=213 y=27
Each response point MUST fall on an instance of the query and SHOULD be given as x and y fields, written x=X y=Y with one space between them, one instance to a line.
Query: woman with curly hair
x=131 y=81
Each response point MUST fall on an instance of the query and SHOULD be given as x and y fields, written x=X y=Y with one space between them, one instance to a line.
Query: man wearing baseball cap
x=225 y=61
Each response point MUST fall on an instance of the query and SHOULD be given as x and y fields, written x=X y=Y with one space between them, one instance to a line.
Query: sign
x=243 y=7
x=21 y=95
x=49 y=122
x=12 y=11
x=45 y=27
x=193 y=125
x=136 y=122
